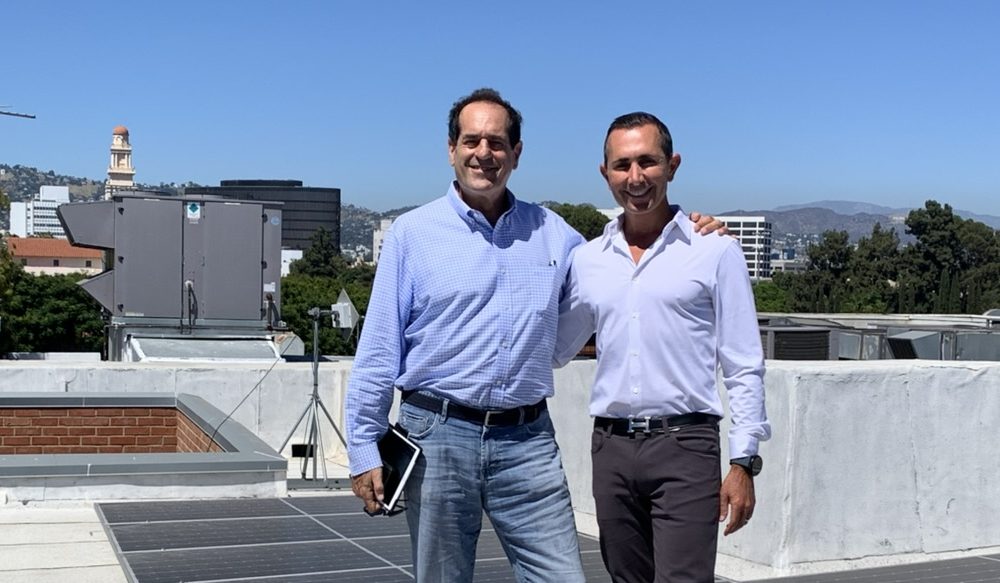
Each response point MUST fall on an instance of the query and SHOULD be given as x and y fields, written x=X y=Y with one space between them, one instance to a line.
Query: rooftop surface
x=315 y=535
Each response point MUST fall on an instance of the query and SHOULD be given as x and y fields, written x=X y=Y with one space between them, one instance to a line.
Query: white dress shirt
x=663 y=327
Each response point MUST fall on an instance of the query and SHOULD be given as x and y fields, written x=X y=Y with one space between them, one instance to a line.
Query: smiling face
x=638 y=170
x=483 y=156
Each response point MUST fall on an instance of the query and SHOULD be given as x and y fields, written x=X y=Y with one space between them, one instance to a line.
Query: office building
x=378 y=236
x=38 y=215
x=754 y=234
x=305 y=208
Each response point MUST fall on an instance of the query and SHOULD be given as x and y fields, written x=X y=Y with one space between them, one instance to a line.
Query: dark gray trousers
x=658 y=504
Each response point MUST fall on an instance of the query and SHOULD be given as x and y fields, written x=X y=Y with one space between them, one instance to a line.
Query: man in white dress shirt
x=669 y=307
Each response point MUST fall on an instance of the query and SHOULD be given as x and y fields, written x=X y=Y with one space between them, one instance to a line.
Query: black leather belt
x=652 y=424
x=485 y=417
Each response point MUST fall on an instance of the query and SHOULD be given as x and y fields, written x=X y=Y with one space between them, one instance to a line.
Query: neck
x=492 y=206
x=640 y=230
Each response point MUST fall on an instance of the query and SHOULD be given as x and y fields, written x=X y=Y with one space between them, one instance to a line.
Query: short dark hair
x=638 y=119
x=491 y=96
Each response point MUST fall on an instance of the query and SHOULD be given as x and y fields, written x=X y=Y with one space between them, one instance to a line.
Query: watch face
x=756 y=464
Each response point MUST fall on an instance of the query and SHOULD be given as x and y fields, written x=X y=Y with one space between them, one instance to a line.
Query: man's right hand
x=368 y=487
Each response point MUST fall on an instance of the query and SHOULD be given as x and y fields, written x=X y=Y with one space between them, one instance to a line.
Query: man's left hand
x=736 y=499
x=706 y=224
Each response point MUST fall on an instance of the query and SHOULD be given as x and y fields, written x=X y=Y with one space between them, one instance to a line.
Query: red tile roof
x=45 y=247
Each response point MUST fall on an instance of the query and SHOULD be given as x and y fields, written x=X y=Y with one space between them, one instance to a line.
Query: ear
x=451 y=152
x=604 y=172
x=517 y=154
x=675 y=163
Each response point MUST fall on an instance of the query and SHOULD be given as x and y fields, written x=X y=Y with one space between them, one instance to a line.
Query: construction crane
x=14 y=113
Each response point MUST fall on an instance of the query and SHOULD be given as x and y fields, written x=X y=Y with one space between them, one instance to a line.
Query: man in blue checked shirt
x=462 y=319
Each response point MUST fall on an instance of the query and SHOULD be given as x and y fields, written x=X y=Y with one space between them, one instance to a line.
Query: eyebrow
x=638 y=158
x=481 y=136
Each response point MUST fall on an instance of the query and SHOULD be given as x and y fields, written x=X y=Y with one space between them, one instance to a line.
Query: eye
x=497 y=145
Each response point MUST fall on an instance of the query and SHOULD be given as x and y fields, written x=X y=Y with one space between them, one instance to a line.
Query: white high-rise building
x=38 y=215
x=754 y=234
x=378 y=235
x=121 y=174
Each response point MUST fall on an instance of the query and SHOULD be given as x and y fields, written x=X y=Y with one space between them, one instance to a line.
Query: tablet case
x=399 y=456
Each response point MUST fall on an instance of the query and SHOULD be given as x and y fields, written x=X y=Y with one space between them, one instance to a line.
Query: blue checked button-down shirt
x=459 y=309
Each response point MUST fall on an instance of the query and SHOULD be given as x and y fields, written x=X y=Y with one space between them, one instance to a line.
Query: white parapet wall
x=872 y=462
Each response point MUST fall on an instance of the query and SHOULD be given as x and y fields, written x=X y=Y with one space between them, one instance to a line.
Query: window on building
x=24 y=262
x=88 y=263
x=55 y=263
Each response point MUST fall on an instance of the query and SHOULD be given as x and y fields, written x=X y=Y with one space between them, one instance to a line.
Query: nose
x=483 y=149
x=635 y=175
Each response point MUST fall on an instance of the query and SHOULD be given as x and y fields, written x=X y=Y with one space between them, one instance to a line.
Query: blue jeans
x=514 y=474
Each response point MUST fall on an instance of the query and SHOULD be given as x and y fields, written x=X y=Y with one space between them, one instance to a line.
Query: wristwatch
x=751 y=463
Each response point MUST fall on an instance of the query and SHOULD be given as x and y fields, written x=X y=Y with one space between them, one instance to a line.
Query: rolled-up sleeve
x=740 y=356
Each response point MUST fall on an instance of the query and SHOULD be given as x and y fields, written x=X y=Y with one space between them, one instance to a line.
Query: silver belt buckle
x=638 y=425
x=490 y=413
x=486 y=420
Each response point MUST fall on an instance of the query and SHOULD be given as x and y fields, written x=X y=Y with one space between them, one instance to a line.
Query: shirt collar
x=680 y=223
x=469 y=214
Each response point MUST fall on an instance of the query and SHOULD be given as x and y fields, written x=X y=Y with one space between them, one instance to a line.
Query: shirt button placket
x=634 y=364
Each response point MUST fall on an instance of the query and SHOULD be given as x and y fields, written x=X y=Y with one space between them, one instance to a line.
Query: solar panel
x=307 y=539
x=327 y=539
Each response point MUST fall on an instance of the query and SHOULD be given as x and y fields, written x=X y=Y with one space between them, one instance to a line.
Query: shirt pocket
x=540 y=288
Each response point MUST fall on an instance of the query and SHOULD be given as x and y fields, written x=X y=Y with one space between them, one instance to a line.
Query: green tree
x=299 y=293
x=9 y=274
x=873 y=273
x=769 y=296
x=322 y=258
x=937 y=249
x=50 y=313
x=831 y=255
x=953 y=264
x=586 y=219
x=821 y=287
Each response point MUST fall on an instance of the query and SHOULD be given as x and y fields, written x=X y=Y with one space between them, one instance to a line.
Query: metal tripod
x=314 y=440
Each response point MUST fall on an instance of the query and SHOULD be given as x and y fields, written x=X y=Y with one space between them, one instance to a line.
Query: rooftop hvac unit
x=182 y=267
x=924 y=344
x=860 y=344
x=795 y=342
x=977 y=346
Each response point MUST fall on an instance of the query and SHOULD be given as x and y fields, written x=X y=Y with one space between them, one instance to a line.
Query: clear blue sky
x=770 y=103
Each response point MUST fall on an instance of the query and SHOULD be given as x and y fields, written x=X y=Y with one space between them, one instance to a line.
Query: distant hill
x=357 y=224
x=847 y=207
x=23 y=182
x=814 y=221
